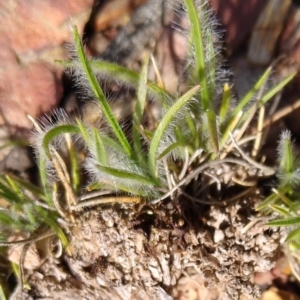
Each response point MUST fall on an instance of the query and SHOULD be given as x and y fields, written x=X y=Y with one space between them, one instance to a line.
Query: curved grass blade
x=94 y=84
x=58 y=130
x=163 y=126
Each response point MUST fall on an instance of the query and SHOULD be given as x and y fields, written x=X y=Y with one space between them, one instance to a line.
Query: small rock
x=218 y=236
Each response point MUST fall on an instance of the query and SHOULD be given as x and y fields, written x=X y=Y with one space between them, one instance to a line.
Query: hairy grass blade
x=127 y=175
x=197 y=42
x=94 y=84
x=139 y=111
x=99 y=147
x=56 y=131
x=285 y=153
x=164 y=123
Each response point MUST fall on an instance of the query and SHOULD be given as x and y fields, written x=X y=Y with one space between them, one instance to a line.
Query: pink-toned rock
x=34 y=24
x=30 y=89
x=28 y=33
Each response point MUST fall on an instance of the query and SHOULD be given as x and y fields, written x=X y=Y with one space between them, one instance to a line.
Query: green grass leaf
x=122 y=74
x=277 y=88
x=108 y=141
x=196 y=36
x=286 y=155
x=35 y=190
x=94 y=84
x=269 y=200
x=213 y=130
x=8 y=220
x=164 y=123
x=245 y=100
x=84 y=133
x=279 y=209
x=139 y=111
x=291 y=221
x=169 y=149
x=2 y=295
x=9 y=194
x=99 y=147
x=74 y=167
x=43 y=177
x=122 y=174
x=58 y=231
x=293 y=235
x=195 y=134
x=56 y=131
x=225 y=104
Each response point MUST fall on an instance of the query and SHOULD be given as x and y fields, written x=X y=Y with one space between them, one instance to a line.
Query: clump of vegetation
x=154 y=186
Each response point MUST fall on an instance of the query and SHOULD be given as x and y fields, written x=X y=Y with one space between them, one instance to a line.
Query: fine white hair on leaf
x=285 y=137
x=169 y=137
x=121 y=162
x=291 y=176
x=46 y=123
x=216 y=75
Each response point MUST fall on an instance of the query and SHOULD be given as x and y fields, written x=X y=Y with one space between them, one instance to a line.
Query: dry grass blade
x=106 y=200
x=200 y=169
x=268 y=171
